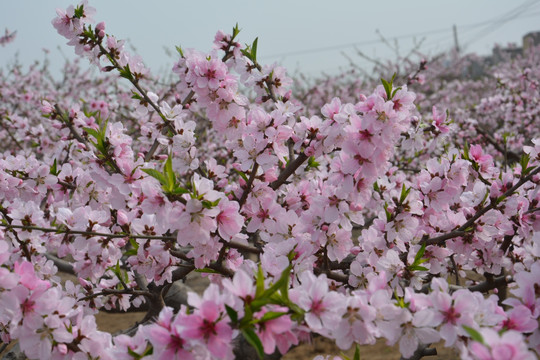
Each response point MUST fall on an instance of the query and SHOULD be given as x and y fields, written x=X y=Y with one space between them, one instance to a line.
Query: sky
x=308 y=36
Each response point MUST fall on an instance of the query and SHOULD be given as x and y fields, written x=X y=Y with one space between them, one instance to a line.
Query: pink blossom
x=509 y=345
x=323 y=308
x=229 y=220
x=207 y=326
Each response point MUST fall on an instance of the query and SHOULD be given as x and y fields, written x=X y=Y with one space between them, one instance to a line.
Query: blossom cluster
x=355 y=215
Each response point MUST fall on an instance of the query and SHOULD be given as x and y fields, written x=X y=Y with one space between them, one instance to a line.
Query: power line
x=360 y=43
x=499 y=20
x=496 y=23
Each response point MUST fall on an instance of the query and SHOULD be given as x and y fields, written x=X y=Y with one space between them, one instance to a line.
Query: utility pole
x=456 y=43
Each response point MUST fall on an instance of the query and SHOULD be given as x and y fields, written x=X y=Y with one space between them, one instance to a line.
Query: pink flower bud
x=46 y=107
x=122 y=217
x=100 y=26
x=62 y=349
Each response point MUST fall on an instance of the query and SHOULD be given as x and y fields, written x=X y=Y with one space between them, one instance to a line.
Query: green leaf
x=125 y=72
x=246 y=52
x=404 y=193
x=418 y=268
x=157 y=175
x=180 y=51
x=388 y=87
x=474 y=334
x=283 y=280
x=524 y=161
x=259 y=283
x=235 y=31
x=206 y=204
x=254 y=49
x=210 y=204
x=466 y=151
x=78 y=12
x=269 y=316
x=388 y=214
x=248 y=316
x=233 y=314
x=254 y=340
x=148 y=351
x=92 y=132
x=527 y=171
x=178 y=190
x=395 y=91
x=312 y=163
x=242 y=175
x=169 y=173
x=54 y=171
x=357 y=353
x=134 y=248
x=130 y=252
x=400 y=301
x=419 y=255
x=133 y=354
x=136 y=96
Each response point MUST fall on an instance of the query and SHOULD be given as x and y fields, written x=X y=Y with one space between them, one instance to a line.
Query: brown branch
x=86 y=233
x=135 y=83
x=180 y=255
x=105 y=292
x=461 y=230
x=62 y=265
x=423 y=350
x=441 y=238
x=510 y=155
x=491 y=284
x=288 y=171
x=249 y=184
x=11 y=136
x=182 y=272
x=22 y=244
x=69 y=124
x=242 y=247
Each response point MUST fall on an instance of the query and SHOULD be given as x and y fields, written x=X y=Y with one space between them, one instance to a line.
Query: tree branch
x=288 y=171
x=249 y=184
x=461 y=230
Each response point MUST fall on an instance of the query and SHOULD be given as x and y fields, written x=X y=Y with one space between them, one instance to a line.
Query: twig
x=105 y=292
x=69 y=124
x=288 y=171
x=492 y=283
x=62 y=265
x=87 y=233
x=510 y=155
x=455 y=269
x=461 y=230
x=423 y=350
x=12 y=136
x=249 y=184
x=22 y=244
x=243 y=247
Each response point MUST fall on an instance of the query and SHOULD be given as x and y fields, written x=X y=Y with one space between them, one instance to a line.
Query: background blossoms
x=353 y=211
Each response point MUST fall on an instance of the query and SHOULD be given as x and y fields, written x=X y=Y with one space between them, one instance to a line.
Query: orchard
x=403 y=208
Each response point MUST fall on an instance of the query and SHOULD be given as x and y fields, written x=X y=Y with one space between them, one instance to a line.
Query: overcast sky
x=306 y=35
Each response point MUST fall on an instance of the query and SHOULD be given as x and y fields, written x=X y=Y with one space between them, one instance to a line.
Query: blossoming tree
x=356 y=217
